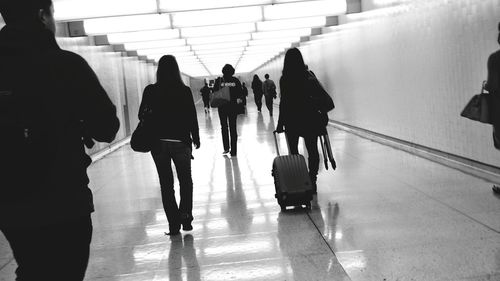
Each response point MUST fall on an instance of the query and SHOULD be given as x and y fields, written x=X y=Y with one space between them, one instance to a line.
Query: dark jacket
x=235 y=90
x=257 y=87
x=174 y=113
x=303 y=105
x=55 y=98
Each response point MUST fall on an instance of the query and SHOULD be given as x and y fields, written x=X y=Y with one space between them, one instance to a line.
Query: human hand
x=196 y=144
x=279 y=129
x=239 y=101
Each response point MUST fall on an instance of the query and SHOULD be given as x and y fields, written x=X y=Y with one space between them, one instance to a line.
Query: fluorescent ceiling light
x=155 y=44
x=77 y=9
x=219 y=45
x=166 y=51
x=186 y=5
x=305 y=9
x=218 y=16
x=291 y=23
x=219 y=51
x=267 y=47
x=285 y=40
x=140 y=36
x=124 y=24
x=282 y=33
x=220 y=55
x=219 y=39
x=213 y=30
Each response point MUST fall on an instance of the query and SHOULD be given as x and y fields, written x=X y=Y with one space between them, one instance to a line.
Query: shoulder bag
x=478 y=108
x=221 y=96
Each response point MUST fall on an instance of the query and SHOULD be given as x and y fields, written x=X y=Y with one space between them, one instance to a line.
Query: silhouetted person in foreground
x=245 y=93
x=228 y=112
x=493 y=87
x=257 y=92
x=205 y=95
x=50 y=101
x=269 y=89
x=300 y=93
x=175 y=128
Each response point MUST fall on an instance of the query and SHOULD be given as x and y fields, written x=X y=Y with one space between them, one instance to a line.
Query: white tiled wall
x=407 y=72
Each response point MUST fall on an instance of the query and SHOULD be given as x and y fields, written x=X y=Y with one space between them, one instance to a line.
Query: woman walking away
x=205 y=95
x=493 y=87
x=175 y=128
x=257 y=91
x=229 y=111
x=303 y=108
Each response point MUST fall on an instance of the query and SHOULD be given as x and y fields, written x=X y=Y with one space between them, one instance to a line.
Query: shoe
x=186 y=222
x=496 y=189
x=174 y=231
x=233 y=153
x=225 y=151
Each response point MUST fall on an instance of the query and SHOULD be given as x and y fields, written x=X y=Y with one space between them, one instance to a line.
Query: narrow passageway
x=382 y=215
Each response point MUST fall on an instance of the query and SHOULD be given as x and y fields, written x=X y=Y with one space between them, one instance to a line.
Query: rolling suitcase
x=291 y=179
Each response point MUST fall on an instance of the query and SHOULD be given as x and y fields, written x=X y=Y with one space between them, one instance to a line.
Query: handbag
x=142 y=139
x=321 y=104
x=478 y=108
x=220 y=97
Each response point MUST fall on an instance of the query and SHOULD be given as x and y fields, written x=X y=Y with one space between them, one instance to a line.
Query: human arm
x=493 y=83
x=96 y=111
x=194 y=128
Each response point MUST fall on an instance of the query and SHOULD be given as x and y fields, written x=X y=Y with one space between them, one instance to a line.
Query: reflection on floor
x=382 y=215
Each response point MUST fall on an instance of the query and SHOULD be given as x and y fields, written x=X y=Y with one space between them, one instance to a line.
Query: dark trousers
x=311 y=142
x=258 y=100
x=180 y=153
x=206 y=101
x=53 y=252
x=269 y=104
x=227 y=116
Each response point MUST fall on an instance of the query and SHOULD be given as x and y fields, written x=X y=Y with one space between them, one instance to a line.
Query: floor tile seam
x=99 y=247
x=428 y=195
x=327 y=244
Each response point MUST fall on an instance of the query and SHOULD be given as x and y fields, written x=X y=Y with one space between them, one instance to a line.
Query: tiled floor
x=383 y=215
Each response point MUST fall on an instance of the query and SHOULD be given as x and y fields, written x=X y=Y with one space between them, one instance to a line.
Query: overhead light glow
x=305 y=9
x=219 y=39
x=166 y=51
x=285 y=40
x=126 y=23
x=219 y=45
x=220 y=51
x=231 y=54
x=140 y=36
x=187 y=5
x=291 y=23
x=218 y=16
x=77 y=9
x=267 y=47
x=155 y=44
x=214 y=30
x=282 y=33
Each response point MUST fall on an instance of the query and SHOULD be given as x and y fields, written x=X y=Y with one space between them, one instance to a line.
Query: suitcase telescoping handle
x=275 y=134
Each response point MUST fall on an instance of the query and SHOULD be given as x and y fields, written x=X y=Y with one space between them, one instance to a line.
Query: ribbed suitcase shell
x=291 y=180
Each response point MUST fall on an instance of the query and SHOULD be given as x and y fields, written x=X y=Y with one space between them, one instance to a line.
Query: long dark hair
x=294 y=66
x=255 y=79
x=168 y=73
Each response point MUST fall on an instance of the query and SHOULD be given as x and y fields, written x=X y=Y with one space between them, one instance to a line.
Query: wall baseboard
x=478 y=169
x=112 y=147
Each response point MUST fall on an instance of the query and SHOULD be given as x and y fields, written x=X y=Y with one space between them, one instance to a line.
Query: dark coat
x=235 y=90
x=58 y=100
x=174 y=113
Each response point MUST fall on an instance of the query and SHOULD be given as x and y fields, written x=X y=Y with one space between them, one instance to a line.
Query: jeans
x=227 y=116
x=258 y=100
x=58 y=251
x=269 y=104
x=311 y=142
x=180 y=153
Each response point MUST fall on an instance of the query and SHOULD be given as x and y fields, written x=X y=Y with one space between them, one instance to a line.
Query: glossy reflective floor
x=383 y=215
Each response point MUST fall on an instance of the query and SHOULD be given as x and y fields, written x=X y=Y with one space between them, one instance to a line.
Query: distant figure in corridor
x=493 y=87
x=257 y=92
x=228 y=112
x=298 y=113
x=51 y=103
x=269 y=89
x=205 y=95
x=245 y=93
x=176 y=129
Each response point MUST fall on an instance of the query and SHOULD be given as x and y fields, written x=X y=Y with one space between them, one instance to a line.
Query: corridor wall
x=407 y=71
